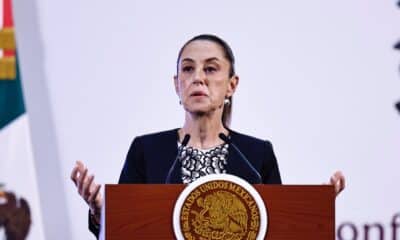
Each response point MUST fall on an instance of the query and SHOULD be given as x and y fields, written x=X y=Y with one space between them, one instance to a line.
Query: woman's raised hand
x=338 y=181
x=88 y=189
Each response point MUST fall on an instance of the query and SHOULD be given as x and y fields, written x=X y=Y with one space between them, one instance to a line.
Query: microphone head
x=186 y=139
x=397 y=46
x=397 y=105
x=224 y=138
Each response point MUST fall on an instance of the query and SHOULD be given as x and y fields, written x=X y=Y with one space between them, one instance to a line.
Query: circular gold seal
x=219 y=207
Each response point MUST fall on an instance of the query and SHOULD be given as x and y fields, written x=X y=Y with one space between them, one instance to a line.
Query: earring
x=180 y=102
x=227 y=101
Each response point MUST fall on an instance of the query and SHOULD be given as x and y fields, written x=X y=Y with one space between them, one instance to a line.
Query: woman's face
x=203 y=80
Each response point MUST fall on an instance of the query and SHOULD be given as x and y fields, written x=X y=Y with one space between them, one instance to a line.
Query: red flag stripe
x=8 y=22
x=7 y=14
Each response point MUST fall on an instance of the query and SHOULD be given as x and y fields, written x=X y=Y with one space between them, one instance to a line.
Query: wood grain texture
x=295 y=212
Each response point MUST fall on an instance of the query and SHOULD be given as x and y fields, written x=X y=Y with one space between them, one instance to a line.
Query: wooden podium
x=144 y=211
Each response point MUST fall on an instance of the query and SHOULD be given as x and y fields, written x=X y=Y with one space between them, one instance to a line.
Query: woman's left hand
x=338 y=181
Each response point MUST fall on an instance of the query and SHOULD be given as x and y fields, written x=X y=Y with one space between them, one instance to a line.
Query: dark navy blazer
x=151 y=156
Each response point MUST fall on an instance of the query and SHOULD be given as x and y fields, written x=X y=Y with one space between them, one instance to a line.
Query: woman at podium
x=205 y=83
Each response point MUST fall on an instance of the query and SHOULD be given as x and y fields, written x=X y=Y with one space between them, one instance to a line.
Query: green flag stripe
x=11 y=99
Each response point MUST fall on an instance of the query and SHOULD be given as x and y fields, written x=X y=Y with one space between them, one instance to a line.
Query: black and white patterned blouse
x=200 y=162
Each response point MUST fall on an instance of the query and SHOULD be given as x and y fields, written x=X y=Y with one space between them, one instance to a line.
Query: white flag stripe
x=17 y=169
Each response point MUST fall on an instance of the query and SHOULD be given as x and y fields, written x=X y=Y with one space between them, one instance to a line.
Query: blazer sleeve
x=93 y=227
x=270 y=171
x=134 y=170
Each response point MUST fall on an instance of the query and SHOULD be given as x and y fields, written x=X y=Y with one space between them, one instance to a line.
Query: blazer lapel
x=233 y=164
x=236 y=164
x=172 y=154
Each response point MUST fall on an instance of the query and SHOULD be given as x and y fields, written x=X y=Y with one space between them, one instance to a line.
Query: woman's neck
x=203 y=131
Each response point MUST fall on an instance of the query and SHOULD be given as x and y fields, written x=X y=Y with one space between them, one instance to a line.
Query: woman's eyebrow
x=187 y=60
x=212 y=59
x=207 y=60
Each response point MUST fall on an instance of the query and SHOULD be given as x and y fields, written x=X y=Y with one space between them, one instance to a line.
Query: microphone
x=242 y=156
x=397 y=45
x=185 y=141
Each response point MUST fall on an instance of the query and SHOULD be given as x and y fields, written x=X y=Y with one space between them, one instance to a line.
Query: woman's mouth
x=198 y=94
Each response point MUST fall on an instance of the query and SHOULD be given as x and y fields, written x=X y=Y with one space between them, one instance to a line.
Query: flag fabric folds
x=17 y=168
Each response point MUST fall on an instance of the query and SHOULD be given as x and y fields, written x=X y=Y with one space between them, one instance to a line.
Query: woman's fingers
x=87 y=188
x=333 y=180
x=74 y=175
x=81 y=181
x=77 y=172
x=95 y=203
x=87 y=185
x=94 y=195
x=338 y=181
x=80 y=164
x=339 y=175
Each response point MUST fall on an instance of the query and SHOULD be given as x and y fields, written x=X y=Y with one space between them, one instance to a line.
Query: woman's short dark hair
x=228 y=54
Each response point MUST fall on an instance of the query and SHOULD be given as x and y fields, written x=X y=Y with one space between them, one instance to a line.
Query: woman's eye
x=187 y=69
x=210 y=69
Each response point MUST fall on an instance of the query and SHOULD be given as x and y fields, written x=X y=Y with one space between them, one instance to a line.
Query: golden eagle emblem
x=222 y=217
x=219 y=210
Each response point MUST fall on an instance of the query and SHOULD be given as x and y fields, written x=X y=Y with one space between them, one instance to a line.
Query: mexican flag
x=17 y=168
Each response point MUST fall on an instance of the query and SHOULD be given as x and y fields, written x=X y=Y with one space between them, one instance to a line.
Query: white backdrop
x=317 y=78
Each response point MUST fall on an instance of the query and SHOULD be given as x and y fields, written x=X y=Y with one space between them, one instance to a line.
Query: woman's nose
x=199 y=77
